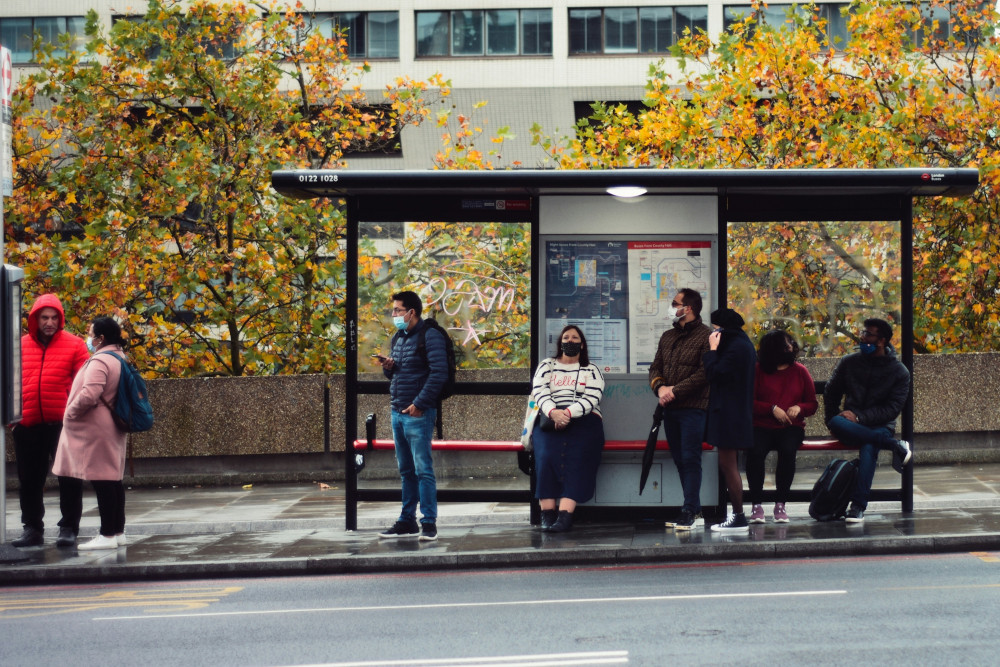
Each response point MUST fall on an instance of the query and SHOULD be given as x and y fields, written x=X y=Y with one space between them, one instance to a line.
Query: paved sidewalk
x=299 y=529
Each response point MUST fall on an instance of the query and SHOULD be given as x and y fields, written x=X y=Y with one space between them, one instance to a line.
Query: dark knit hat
x=727 y=318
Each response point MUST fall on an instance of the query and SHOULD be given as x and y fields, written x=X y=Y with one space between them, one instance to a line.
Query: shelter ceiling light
x=626 y=191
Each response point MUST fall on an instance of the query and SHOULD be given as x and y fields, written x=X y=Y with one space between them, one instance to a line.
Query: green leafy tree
x=473 y=278
x=143 y=182
x=905 y=90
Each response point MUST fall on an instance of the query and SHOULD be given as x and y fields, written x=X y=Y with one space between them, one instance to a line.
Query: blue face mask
x=400 y=322
x=90 y=345
x=868 y=348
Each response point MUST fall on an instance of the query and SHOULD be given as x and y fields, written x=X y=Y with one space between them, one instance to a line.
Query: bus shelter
x=608 y=251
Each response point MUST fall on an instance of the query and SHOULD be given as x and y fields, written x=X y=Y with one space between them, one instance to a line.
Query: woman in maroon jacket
x=784 y=395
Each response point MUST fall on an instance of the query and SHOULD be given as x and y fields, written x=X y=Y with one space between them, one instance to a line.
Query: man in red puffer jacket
x=50 y=359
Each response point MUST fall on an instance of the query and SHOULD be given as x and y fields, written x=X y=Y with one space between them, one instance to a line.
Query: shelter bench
x=526 y=464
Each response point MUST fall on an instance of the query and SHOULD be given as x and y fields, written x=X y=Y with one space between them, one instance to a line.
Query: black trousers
x=786 y=441
x=35 y=449
x=111 y=505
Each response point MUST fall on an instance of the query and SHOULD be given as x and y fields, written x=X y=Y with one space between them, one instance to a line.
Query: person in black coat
x=729 y=367
x=873 y=386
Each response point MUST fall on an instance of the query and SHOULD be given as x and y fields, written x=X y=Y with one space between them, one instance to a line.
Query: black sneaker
x=855 y=514
x=428 y=532
x=31 y=537
x=402 y=529
x=901 y=455
x=689 y=521
x=67 y=537
x=736 y=523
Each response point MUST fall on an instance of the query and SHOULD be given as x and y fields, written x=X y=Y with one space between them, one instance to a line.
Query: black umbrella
x=647 y=454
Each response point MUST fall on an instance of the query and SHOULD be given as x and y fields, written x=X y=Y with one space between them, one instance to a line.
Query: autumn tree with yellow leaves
x=143 y=182
x=915 y=84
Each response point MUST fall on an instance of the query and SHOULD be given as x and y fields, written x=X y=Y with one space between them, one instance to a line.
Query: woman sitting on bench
x=567 y=389
x=784 y=395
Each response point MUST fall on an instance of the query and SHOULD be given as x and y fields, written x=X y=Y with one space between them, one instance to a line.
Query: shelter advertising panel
x=618 y=292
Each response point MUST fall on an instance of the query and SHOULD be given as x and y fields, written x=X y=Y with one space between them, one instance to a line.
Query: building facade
x=532 y=61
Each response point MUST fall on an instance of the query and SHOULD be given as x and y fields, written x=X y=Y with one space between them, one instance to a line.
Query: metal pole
x=3 y=260
x=8 y=553
x=351 y=363
x=3 y=428
x=906 y=341
x=537 y=335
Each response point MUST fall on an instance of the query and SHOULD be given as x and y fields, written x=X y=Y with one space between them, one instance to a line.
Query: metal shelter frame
x=744 y=195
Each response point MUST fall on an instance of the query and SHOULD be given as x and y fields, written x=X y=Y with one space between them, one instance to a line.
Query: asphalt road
x=905 y=610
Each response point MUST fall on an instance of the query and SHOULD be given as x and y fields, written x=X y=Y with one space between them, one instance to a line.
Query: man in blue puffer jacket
x=417 y=369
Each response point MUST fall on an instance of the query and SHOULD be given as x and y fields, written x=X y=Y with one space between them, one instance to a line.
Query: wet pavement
x=286 y=529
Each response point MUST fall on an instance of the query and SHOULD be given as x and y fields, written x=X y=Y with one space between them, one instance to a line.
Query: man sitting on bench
x=873 y=385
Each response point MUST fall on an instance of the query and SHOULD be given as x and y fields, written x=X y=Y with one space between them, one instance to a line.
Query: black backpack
x=448 y=390
x=833 y=490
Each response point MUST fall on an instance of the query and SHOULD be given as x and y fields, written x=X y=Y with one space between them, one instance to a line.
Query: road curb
x=16 y=574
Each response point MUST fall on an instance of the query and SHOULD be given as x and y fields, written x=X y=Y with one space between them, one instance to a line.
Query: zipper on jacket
x=41 y=367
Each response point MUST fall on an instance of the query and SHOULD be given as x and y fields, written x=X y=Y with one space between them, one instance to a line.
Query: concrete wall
x=955 y=397
x=255 y=427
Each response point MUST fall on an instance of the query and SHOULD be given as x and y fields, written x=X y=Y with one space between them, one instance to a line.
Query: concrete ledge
x=216 y=420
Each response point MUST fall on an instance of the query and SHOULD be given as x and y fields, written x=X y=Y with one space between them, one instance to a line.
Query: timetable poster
x=657 y=271
x=587 y=285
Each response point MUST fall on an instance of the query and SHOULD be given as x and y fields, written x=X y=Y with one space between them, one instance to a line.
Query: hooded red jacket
x=47 y=370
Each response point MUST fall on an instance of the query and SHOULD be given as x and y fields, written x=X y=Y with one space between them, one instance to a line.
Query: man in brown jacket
x=677 y=377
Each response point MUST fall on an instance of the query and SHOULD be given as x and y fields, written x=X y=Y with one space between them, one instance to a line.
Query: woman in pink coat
x=91 y=446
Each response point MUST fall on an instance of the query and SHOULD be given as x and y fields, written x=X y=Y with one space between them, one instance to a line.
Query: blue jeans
x=685 y=431
x=412 y=436
x=868 y=441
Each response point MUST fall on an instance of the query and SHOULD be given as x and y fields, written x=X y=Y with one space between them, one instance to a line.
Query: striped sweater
x=561 y=386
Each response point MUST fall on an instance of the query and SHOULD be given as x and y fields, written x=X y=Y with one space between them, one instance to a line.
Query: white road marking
x=542 y=660
x=461 y=605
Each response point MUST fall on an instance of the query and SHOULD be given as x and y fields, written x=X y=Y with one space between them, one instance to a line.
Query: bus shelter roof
x=832 y=183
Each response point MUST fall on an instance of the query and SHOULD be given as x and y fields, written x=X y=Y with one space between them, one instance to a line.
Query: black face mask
x=571 y=349
x=788 y=357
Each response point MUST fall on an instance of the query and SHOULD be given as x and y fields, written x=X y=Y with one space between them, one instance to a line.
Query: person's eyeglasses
x=399 y=311
x=869 y=334
x=674 y=304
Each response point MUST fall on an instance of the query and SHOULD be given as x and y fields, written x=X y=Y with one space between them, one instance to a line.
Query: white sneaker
x=120 y=538
x=99 y=542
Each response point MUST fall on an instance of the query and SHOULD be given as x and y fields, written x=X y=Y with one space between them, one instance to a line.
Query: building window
x=220 y=46
x=937 y=27
x=18 y=35
x=489 y=32
x=584 y=110
x=783 y=17
x=386 y=141
x=368 y=34
x=632 y=29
